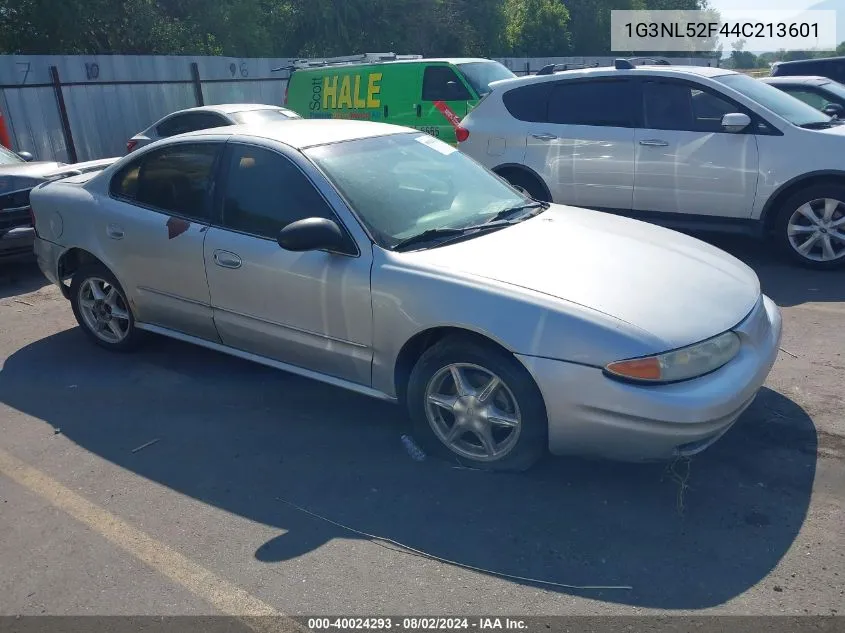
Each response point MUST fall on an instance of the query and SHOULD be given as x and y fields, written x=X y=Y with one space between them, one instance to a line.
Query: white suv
x=684 y=146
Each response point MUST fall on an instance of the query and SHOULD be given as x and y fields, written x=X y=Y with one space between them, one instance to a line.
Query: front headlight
x=680 y=364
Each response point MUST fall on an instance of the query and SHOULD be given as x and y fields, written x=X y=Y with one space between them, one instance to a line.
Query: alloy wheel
x=473 y=412
x=816 y=230
x=104 y=310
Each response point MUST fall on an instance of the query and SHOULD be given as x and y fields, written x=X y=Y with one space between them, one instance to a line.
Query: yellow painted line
x=221 y=594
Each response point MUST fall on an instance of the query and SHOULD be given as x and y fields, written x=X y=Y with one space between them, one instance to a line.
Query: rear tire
x=102 y=310
x=810 y=227
x=490 y=417
x=526 y=183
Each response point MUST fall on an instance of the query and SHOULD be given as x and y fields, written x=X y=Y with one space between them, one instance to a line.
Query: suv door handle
x=544 y=137
x=227 y=259
x=114 y=231
x=654 y=142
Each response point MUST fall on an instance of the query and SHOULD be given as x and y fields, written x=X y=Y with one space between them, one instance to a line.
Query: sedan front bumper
x=592 y=414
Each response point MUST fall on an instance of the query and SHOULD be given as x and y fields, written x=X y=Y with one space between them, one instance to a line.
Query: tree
x=537 y=28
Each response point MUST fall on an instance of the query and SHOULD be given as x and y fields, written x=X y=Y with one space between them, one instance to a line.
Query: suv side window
x=678 y=106
x=605 y=103
x=265 y=192
x=190 y=122
x=173 y=179
x=440 y=83
x=529 y=103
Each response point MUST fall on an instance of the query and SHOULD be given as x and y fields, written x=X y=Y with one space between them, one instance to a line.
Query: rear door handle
x=114 y=231
x=654 y=142
x=544 y=137
x=227 y=259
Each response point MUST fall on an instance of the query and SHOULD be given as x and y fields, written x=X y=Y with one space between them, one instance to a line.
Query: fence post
x=195 y=77
x=60 y=101
x=527 y=68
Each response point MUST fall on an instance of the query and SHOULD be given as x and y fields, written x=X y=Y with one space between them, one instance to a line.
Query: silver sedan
x=379 y=259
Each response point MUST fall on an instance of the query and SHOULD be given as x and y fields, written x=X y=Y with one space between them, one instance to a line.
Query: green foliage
x=537 y=28
x=300 y=28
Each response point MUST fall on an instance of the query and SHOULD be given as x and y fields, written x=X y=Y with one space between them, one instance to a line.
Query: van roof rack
x=551 y=69
x=364 y=58
x=629 y=63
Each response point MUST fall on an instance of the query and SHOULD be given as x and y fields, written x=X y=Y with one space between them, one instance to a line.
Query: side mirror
x=25 y=156
x=311 y=234
x=833 y=109
x=735 y=122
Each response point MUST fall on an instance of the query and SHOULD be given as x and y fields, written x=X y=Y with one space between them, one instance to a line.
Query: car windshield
x=264 y=116
x=784 y=105
x=404 y=184
x=481 y=74
x=8 y=157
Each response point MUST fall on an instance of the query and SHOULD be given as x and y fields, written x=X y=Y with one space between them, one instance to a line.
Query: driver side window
x=265 y=192
x=678 y=106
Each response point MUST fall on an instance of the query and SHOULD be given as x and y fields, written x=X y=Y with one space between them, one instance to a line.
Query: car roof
x=610 y=71
x=818 y=60
x=813 y=80
x=304 y=133
x=230 y=108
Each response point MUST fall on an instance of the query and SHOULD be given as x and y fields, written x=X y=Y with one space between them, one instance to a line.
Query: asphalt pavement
x=176 y=480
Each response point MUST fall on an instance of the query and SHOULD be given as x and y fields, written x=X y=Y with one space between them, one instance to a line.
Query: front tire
x=476 y=404
x=810 y=227
x=101 y=309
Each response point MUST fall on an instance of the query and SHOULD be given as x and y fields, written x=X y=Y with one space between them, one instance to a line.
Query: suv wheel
x=810 y=226
x=101 y=309
x=527 y=184
x=477 y=405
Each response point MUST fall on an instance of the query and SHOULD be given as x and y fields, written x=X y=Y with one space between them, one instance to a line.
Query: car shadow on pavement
x=20 y=277
x=246 y=439
x=786 y=283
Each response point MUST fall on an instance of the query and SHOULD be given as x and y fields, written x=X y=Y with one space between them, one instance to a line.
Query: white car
x=206 y=117
x=684 y=146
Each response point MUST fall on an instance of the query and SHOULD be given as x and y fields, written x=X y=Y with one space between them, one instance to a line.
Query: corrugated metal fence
x=75 y=108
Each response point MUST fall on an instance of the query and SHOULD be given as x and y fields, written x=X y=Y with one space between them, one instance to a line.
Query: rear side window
x=174 y=179
x=190 y=122
x=601 y=103
x=440 y=83
x=529 y=103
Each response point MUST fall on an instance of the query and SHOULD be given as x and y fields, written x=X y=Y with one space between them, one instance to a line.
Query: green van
x=431 y=95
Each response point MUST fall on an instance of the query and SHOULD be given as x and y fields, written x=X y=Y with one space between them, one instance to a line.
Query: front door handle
x=544 y=137
x=227 y=259
x=654 y=142
x=114 y=231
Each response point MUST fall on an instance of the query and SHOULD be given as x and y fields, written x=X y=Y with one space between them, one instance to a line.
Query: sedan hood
x=675 y=287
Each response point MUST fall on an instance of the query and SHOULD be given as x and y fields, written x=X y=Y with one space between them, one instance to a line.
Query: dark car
x=18 y=175
x=830 y=67
x=820 y=92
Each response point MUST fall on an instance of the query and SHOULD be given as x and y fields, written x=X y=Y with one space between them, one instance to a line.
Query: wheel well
x=419 y=343
x=770 y=212
x=70 y=262
x=505 y=170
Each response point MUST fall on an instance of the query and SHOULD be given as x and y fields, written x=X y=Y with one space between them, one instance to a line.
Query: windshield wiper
x=510 y=212
x=817 y=125
x=428 y=236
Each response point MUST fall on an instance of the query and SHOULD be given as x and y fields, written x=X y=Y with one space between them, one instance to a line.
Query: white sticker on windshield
x=433 y=143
